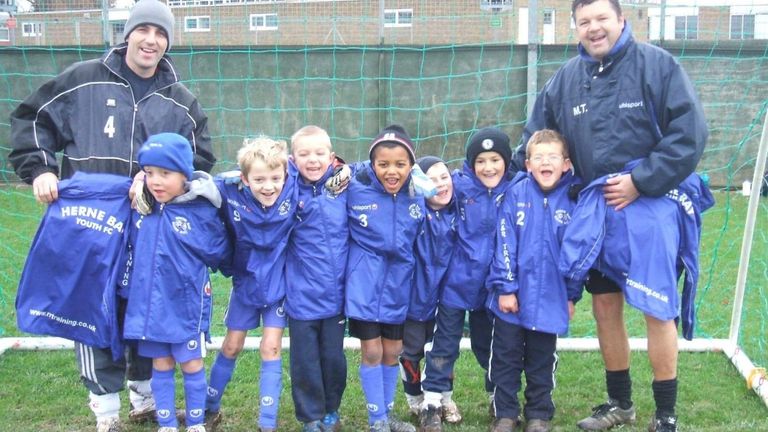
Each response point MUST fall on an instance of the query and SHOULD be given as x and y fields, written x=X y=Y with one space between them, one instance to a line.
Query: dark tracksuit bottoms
x=515 y=350
x=318 y=366
x=445 y=346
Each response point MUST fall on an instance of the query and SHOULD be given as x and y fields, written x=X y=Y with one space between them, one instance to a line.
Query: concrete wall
x=440 y=94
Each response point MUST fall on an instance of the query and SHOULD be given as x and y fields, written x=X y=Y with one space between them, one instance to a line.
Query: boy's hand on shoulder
x=508 y=303
x=339 y=181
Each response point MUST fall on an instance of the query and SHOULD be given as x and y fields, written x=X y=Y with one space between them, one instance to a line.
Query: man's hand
x=508 y=303
x=46 y=188
x=620 y=191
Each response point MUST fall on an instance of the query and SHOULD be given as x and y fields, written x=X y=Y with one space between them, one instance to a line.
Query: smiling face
x=163 y=183
x=264 y=182
x=599 y=26
x=440 y=176
x=146 y=45
x=547 y=164
x=392 y=166
x=489 y=168
x=312 y=155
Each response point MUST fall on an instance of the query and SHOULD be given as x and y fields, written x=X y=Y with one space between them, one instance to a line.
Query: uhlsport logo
x=487 y=144
x=192 y=345
x=372 y=407
x=163 y=413
x=212 y=392
x=267 y=401
x=181 y=225
x=280 y=311
x=195 y=413
x=284 y=208
x=415 y=211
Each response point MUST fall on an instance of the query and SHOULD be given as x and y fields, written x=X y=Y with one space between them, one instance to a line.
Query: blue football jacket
x=382 y=231
x=477 y=213
x=169 y=290
x=434 y=249
x=644 y=248
x=259 y=236
x=530 y=229
x=67 y=287
x=317 y=251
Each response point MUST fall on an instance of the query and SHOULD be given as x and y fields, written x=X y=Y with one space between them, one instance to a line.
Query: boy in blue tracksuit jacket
x=530 y=300
x=315 y=273
x=479 y=191
x=433 y=255
x=169 y=300
x=384 y=220
x=259 y=212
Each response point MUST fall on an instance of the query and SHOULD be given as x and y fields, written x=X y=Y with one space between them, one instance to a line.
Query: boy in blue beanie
x=169 y=300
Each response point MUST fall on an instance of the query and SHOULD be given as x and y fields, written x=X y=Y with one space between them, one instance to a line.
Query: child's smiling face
x=547 y=164
x=440 y=176
x=489 y=168
x=392 y=166
x=264 y=182
x=312 y=155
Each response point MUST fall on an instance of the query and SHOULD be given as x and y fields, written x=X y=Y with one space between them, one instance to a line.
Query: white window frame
x=198 y=19
x=761 y=18
x=399 y=16
x=686 y=31
x=5 y=34
x=36 y=29
x=263 y=17
x=672 y=12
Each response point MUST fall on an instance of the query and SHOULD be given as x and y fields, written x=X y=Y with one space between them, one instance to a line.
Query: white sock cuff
x=432 y=398
x=142 y=387
x=447 y=396
x=104 y=406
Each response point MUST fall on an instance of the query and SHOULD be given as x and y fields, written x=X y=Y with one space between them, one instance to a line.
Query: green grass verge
x=41 y=391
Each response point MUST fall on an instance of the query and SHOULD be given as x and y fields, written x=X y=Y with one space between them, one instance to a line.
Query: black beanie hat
x=426 y=162
x=489 y=139
x=394 y=134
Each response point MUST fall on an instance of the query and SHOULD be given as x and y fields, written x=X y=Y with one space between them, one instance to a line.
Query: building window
x=197 y=23
x=263 y=22
x=31 y=29
x=495 y=5
x=548 y=16
x=686 y=27
x=742 y=27
x=5 y=34
x=398 y=17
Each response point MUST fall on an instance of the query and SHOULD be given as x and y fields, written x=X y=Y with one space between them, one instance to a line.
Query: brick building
x=233 y=23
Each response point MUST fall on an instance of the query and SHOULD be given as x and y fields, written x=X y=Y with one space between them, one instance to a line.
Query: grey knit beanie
x=150 y=12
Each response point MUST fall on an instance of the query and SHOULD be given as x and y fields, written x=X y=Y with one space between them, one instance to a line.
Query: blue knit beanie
x=167 y=150
x=150 y=12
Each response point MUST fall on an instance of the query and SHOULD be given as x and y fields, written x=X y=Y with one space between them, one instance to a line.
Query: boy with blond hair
x=530 y=300
x=314 y=296
x=259 y=213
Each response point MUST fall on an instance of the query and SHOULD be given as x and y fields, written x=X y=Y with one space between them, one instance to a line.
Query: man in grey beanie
x=98 y=113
